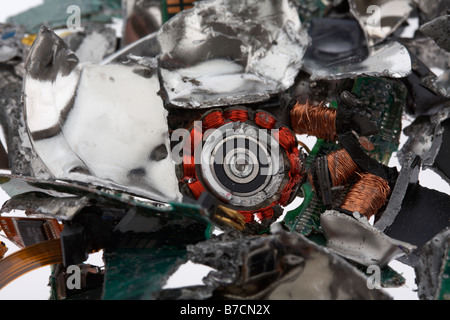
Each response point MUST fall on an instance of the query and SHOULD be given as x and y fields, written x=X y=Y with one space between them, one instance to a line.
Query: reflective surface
x=98 y=123
x=262 y=55
x=380 y=18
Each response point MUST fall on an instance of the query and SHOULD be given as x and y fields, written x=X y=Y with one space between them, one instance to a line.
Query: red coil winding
x=213 y=120
x=284 y=136
x=265 y=120
x=236 y=115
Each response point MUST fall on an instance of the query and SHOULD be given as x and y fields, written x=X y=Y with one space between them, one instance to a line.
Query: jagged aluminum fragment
x=281 y=265
x=380 y=18
x=389 y=59
x=439 y=30
x=359 y=241
x=92 y=44
x=98 y=124
x=224 y=52
x=432 y=271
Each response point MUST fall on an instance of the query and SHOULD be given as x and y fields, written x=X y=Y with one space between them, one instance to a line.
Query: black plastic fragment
x=442 y=160
x=421 y=100
x=424 y=213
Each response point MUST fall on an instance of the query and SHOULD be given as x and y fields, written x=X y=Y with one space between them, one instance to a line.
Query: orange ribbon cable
x=29 y=258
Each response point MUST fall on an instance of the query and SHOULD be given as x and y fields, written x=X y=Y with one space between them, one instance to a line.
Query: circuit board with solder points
x=385 y=99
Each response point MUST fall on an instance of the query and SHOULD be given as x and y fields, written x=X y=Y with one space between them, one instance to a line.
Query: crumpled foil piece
x=432 y=268
x=93 y=44
x=223 y=52
x=357 y=240
x=380 y=18
x=280 y=266
x=431 y=9
x=93 y=123
x=438 y=29
x=385 y=60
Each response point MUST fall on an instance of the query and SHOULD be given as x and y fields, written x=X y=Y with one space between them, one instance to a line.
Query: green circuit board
x=385 y=99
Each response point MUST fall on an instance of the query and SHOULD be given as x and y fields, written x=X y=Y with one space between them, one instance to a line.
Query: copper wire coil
x=265 y=120
x=214 y=119
x=262 y=214
x=367 y=195
x=248 y=216
x=286 y=139
x=188 y=167
x=265 y=213
x=319 y=121
x=341 y=166
x=287 y=192
x=192 y=141
x=236 y=115
x=196 y=188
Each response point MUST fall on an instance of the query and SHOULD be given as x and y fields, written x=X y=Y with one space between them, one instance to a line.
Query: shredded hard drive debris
x=162 y=133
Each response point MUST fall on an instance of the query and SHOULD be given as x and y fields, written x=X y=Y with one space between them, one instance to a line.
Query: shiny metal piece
x=439 y=30
x=147 y=46
x=92 y=44
x=238 y=154
x=357 y=240
x=141 y=18
x=98 y=124
x=279 y=266
x=431 y=267
x=223 y=52
x=442 y=83
x=380 y=18
x=432 y=8
x=385 y=60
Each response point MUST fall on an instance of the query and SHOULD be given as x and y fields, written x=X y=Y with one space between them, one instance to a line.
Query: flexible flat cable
x=28 y=259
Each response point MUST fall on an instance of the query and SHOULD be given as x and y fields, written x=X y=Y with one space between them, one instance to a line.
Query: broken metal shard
x=433 y=268
x=282 y=265
x=91 y=147
x=82 y=43
x=98 y=120
x=359 y=241
x=380 y=18
x=438 y=29
x=388 y=59
x=221 y=53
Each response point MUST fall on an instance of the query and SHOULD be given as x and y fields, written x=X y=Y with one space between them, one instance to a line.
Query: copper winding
x=196 y=188
x=265 y=213
x=262 y=214
x=285 y=137
x=340 y=166
x=367 y=195
x=236 y=115
x=319 y=121
x=214 y=119
x=3 y=249
x=248 y=216
x=288 y=141
x=265 y=120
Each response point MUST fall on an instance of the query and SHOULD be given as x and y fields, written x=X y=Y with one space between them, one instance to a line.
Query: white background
x=33 y=285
